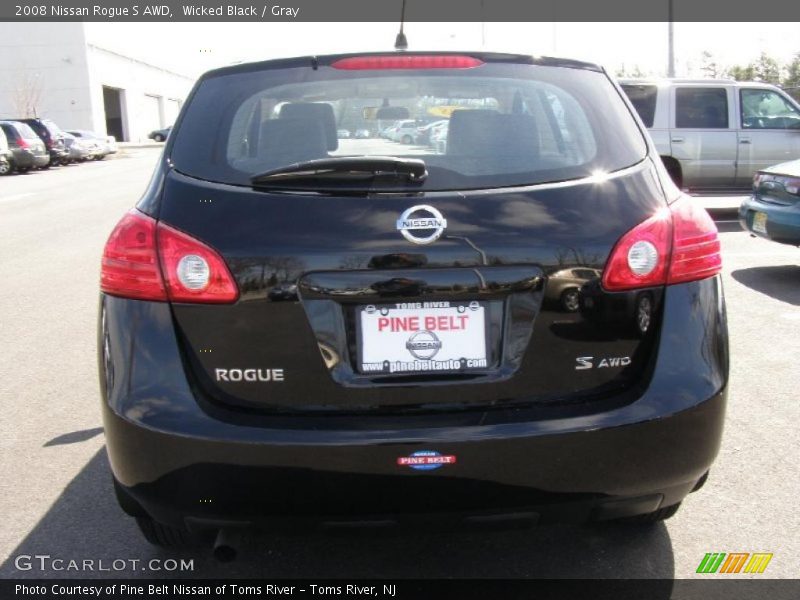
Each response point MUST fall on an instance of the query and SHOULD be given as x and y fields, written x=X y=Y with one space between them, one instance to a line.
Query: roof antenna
x=400 y=42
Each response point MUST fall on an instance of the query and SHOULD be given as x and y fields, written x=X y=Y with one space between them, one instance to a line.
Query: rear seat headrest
x=286 y=141
x=488 y=133
x=314 y=111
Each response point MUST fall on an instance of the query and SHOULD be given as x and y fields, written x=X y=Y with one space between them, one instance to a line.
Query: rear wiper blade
x=347 y=169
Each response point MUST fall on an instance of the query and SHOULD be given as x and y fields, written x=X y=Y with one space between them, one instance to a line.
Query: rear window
x=508 y=124
x=51 y=127
x=23 y=129
x=643 y=98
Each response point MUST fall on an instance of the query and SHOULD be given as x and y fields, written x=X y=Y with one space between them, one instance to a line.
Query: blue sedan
x=773 y=211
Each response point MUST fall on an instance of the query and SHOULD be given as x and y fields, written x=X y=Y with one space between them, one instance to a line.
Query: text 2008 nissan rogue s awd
x=297 y=328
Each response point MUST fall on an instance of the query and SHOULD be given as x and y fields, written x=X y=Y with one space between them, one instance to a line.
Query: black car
x=291 y=334
x=51 y=135
x=26 y=150
x=160 y=135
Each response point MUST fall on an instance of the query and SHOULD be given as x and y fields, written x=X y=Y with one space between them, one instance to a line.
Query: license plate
x=422 y=337
x=760 y=222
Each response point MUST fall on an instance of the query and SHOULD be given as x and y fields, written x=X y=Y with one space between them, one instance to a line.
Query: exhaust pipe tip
x=226 y=545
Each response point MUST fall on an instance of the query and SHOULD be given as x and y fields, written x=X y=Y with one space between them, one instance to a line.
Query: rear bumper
x=184 y=463
x=25 y=159
x=580 y=476
x=783 y=222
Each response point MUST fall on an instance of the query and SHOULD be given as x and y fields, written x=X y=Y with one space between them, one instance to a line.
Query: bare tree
x=26 y=94
x=709 y=65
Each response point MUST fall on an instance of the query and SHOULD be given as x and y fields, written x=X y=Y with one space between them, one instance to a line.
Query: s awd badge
x=590 y=362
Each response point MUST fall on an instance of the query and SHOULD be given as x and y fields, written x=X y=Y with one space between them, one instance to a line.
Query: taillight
x=140 y=252
x=406 y=61
x=194 y=272
x=695 y=246
x=677 y=244
x=130 y=262
x=641 y=256
x=23 y=143
x=790 y=184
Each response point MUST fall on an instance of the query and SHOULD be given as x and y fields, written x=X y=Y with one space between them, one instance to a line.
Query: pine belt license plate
x=422 y=337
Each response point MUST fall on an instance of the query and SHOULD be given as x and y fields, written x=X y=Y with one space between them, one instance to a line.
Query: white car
x=404 y=132
x=105 y=145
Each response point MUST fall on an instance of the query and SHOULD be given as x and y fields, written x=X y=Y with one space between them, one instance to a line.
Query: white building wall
x=70 y=71
x=50 y=58
x=146 y=88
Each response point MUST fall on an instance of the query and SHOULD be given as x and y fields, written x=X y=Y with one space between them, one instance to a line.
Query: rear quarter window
x=508 y=124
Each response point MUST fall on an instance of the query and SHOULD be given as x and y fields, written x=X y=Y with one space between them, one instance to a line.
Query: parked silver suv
x=715 y=134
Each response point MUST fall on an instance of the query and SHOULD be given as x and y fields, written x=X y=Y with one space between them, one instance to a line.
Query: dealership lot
x=56 y=482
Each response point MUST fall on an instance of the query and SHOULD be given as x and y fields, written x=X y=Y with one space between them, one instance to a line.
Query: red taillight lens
x=139 y=250
x=23 y=143
x=641 y=256
x=194 y=272
x=695 y=247
x=444 y=61
x=676 y=245
x=130 y=262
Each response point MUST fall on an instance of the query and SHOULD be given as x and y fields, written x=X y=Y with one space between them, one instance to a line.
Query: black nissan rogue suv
x=296 y=328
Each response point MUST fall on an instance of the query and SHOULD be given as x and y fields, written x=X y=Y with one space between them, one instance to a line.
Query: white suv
x=715 y=134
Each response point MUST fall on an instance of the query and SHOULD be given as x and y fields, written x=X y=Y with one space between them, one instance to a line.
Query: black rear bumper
x=182 y=461
x=577 y=476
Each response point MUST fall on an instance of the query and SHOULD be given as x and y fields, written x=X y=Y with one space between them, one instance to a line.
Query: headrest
x=287 y=141
x=477 y=133
x=311 y=111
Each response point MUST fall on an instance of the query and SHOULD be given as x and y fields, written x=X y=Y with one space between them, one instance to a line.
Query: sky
x=192 y=48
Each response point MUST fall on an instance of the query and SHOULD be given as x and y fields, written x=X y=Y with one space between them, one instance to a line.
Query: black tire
x=164 y=536
x=158 y=138
x=674 y=169
x=407 y=139
x=126 y=503
x=570 y=300
x=6 y=168
x=662 y=514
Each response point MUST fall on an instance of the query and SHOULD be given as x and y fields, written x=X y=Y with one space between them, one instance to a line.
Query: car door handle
x=677 y=140
x=744 y=141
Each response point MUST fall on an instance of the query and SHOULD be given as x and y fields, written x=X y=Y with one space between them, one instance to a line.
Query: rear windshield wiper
x=346 y=170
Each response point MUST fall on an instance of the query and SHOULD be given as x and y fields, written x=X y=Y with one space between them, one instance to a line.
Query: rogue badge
x=421 y=218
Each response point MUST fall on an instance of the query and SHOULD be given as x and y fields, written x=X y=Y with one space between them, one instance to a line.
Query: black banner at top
x=389 y=10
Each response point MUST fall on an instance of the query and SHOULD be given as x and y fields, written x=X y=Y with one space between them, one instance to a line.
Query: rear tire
x=674 y=169
x=407 y=139
x=643 y=314
x=164 y=536
x=158 y=138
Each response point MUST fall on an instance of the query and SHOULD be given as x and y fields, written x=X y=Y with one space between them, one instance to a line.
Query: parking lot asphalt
x=57 y=498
